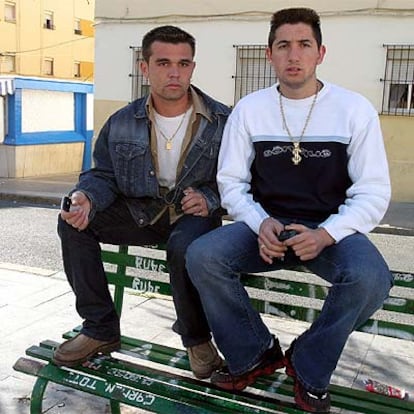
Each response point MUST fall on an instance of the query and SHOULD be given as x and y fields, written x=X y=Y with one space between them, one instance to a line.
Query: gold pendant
x=168 y=145
x=296 y=153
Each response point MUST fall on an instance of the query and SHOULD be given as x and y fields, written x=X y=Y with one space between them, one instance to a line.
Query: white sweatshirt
x=342 y=181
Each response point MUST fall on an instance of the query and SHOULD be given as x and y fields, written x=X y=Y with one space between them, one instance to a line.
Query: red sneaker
x=271 y=360
x=311 y=402
x=304 y=399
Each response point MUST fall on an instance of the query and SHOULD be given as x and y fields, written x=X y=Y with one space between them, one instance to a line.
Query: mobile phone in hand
x=66 y=203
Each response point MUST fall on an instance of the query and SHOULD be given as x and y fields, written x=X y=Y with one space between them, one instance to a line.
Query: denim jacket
x=124 y=165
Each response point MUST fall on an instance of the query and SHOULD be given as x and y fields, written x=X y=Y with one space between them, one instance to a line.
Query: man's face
x=294 y=56
x=169 y=70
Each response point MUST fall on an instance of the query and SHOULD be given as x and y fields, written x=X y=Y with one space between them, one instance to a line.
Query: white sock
x=272 y=342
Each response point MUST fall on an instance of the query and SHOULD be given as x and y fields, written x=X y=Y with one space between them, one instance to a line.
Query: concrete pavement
x=36 y=304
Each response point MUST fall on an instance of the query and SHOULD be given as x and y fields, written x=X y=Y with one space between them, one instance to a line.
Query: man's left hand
x=194 y=203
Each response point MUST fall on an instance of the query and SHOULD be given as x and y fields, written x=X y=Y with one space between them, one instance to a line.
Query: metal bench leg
x=37 y=396
x=115 y=407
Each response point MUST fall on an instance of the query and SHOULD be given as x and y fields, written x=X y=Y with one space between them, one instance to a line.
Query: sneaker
x=272 y=359
x=304 y=399
x=311 y=402
x=79 y=349
x=204 y=359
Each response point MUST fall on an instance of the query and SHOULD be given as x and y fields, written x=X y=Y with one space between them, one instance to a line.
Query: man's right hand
x=78 y=215
x=269 y=245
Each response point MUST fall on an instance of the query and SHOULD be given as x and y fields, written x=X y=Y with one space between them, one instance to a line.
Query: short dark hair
x=166 y=34
x=293 y=16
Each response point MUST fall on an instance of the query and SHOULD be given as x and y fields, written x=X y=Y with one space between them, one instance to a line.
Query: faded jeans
x=83 y=266
x=360 y=281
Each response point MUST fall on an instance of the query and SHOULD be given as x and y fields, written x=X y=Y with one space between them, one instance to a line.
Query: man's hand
x=309 y=242
x=194 y=203
x=78 y=215
x=269 y=245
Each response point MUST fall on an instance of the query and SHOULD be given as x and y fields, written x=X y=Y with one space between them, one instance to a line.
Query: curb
x=393 y=231
x=31 y=198
x=27 y=269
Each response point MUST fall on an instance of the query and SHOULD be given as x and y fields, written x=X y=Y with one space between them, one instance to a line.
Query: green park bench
x=158 y=389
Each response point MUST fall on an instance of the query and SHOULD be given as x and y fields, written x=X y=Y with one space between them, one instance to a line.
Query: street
x=29 y=238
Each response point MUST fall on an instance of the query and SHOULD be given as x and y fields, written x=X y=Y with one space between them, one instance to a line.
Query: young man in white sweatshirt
x=308 y=157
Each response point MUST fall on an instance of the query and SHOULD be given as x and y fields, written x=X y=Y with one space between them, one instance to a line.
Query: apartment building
x=46 y=86
x=47 y=38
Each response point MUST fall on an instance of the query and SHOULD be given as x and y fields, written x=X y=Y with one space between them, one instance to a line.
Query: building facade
x=46 y=86
x=370 y=49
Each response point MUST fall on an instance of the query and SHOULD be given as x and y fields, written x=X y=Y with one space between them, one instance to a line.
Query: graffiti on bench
x=115 y=390
x=144 y=286
x=146 y=263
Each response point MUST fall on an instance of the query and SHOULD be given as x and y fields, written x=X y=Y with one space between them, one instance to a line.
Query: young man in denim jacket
x=154 y=181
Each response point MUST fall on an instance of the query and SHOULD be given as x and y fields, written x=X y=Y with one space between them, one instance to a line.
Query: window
x=7 y=63
x=48 y=66
x=140 y=85
x=398 y=92
x=10 y=12
x=48 y=22
x=77 y=69
x=78 y=29
x=253 y=71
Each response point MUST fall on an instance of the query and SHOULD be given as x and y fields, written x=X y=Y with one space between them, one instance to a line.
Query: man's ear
x=143 y=66
x=322 y=52
x=269 y=53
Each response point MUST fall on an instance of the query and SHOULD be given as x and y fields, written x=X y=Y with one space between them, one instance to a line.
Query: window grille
x=139 y=84
x=398 y=92
x=253 y=71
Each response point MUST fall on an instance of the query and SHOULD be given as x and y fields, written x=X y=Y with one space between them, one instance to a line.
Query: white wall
x=44 y=110
x=355 y=53
x=146 y=10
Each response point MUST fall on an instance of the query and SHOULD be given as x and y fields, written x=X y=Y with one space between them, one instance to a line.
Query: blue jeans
x=84 y=269
x=360 y=281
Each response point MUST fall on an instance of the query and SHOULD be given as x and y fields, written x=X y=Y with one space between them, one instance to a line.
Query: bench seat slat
x=170 y=385
x=279 y=383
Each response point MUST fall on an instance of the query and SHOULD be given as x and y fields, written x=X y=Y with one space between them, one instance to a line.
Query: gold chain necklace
x=296 y=144
x=169 y=141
